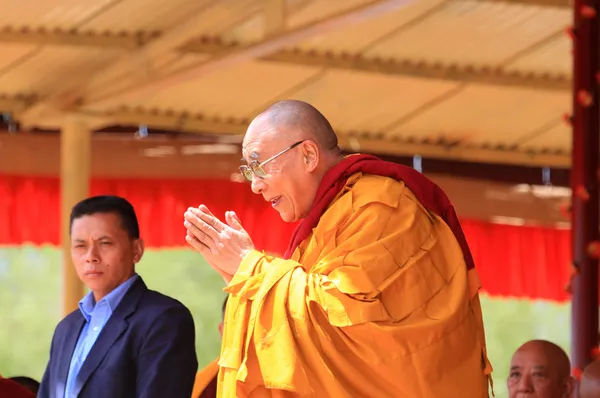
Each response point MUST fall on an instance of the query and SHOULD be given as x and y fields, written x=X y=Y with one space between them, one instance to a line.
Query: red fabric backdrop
x=529 y=262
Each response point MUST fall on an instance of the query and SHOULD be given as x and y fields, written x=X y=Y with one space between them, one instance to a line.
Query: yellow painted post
x=75 y=161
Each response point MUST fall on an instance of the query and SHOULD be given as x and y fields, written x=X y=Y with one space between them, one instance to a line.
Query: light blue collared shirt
x=96 y=316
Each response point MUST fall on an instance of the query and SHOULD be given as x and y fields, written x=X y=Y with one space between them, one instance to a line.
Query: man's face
x=287 y=186
x=102 y=252
x=532 y=375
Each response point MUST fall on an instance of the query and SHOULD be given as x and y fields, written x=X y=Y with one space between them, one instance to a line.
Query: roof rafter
x=395 y=67
x=57 y=37
x=167 y=42
x=256 y=50
x=345 y=61
x=15 y=104
x=349 y=141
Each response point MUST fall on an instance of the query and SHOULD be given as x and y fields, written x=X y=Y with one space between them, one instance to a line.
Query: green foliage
x=30 y=301
x=30 y=308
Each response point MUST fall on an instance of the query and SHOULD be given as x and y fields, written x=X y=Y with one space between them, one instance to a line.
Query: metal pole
x=584 y=181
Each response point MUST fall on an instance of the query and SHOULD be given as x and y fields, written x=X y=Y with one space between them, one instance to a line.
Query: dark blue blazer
x=146 y=349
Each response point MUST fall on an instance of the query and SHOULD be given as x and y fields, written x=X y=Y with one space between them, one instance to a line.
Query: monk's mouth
x=275 y=202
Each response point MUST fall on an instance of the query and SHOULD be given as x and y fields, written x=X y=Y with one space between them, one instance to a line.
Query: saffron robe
x=377 y=301
x=204 y=380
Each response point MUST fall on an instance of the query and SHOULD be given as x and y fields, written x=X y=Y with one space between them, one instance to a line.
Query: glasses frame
x=255 y=165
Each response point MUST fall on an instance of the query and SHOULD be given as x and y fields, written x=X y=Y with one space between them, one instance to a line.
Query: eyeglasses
x=256 y=169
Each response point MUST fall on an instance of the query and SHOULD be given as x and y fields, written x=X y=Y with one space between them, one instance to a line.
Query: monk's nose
x=525 y=384
x=258 y=185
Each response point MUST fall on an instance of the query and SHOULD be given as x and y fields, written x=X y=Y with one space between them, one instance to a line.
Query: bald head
x=300 y=120
x=541 y=368
x=552 y=352
x=289 y=148
x=590 y=381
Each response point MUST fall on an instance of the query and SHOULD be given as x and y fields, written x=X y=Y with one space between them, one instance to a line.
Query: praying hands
x=223 y=245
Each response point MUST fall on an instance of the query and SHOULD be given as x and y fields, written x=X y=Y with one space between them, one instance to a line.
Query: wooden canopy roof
x=476 y=80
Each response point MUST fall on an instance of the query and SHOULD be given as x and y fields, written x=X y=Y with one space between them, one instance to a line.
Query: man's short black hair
x=108 y=204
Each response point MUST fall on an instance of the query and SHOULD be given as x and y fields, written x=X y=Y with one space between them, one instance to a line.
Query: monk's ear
x=310 y=155
x=569 y=386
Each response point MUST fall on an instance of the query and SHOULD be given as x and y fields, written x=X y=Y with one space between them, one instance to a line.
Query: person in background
x=589 y=387
x=205 y=385
x=540 y=369
x=27 y=382
x=124 y=340
x=377 y=294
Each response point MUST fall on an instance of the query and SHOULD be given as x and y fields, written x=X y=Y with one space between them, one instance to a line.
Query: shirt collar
x=88 y=303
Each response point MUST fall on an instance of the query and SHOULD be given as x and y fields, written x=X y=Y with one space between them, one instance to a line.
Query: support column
x=584 y=181
x=75 y=160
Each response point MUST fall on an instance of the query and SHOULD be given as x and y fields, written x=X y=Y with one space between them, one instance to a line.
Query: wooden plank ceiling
x=476 y=80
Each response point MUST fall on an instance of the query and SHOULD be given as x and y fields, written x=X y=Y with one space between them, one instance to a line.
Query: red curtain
x=531 y=262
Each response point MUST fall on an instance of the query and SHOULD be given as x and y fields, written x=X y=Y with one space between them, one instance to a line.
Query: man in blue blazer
x=124 y=340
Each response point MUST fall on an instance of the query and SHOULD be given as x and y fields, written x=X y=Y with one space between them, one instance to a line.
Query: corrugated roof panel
x=316 y=10
x=355 y=101
x=488 y=114
x=53 y=69
x=558 y=138
x=51 y=14
x=361 y=37
x=474 y=32
x=239 y=92
x=160 y=15
x=13 y=55
x=554 y=58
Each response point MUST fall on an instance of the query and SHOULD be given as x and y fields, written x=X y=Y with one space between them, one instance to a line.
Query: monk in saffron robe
x=589 y=387
x=541 y=369
x=205 y=384
x=376 y=296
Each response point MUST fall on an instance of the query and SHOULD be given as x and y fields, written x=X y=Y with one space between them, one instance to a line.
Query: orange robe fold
x=204 y=377
x=376 y=302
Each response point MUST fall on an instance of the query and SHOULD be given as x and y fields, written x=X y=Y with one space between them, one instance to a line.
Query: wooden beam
x=395 y=67
x=181 y=34
x=275 y=17
x=139 y=59
x=236 y=128
x=456 y=152
x=14 y=105
x=71 y=38
x=539 y=3
x=179 y=122
x=262 y=48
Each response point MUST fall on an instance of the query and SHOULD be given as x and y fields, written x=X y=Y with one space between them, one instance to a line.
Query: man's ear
x=310 y=155
x=138 y=250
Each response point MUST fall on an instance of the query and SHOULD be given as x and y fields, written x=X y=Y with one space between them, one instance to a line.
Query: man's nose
x=92 y=254
x=258 y=185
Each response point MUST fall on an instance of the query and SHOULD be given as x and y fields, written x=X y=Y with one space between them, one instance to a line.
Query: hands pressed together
x=223 y=245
